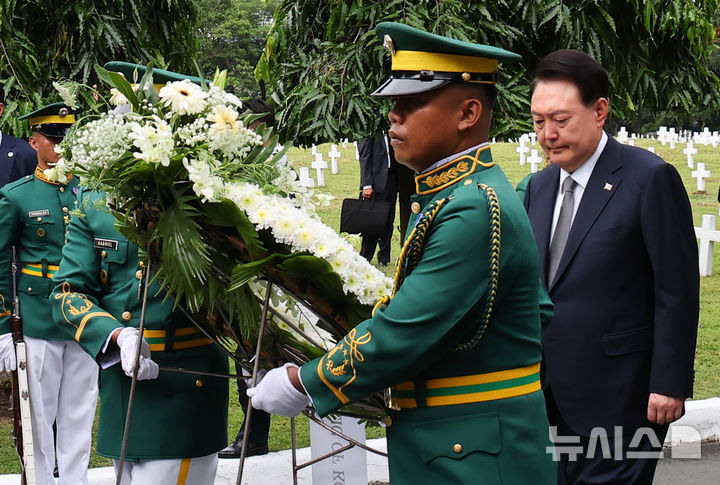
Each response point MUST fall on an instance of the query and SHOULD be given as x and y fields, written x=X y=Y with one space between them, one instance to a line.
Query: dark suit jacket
x=374 y=166
x=17 y=159
x=625 y=293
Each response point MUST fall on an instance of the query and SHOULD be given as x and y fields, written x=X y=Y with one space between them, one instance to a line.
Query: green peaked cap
x=422 y=61
x=134 y=72
x=53 y=120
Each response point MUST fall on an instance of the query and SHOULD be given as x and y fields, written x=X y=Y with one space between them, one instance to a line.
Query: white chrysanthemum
x=154 y=139
x=183 y=97
x=206 y=185
x=117 y=98
x=298 y=228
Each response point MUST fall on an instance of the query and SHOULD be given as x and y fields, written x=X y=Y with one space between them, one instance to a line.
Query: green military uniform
x=34 y=213
x=459 y=342
x=98 y=290
x=473 y=415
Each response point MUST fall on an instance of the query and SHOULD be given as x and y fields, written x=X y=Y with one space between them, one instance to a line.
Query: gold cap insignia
x=389 y=44
x=63 y=112
x=466 y=76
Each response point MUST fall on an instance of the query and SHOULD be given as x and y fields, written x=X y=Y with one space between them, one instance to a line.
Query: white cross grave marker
x=534 y=160
x=533 y=138
x=705 y=136
x=690 y=151
x=631 y=142
x=313 y=149
x=662 y=134
x=700 y=174
x=622 y=135
x=652 y=149
x=357 y=153
x=334 y=155
x=319 y=164
x=522 y=149
x=708 y=235
x=305 y=177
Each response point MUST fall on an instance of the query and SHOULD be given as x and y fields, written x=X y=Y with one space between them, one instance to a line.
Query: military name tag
x=105 y=244
x=38 y=213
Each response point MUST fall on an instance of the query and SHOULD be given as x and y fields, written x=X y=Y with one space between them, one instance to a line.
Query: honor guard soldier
x=179 y=421
x=34 y=215
x=459 y=341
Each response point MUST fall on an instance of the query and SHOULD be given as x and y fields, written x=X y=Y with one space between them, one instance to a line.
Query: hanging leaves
x=322 y=59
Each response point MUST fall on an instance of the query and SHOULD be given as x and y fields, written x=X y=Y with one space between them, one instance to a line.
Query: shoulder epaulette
x=19 y=182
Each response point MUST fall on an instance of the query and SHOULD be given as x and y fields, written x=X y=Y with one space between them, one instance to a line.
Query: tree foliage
x=232 y=36
x=42 y=41
x=322 y=58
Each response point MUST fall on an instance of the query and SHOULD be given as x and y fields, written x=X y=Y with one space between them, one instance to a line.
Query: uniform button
x=65 y=210
x=415 y=207
x=62 y=189
x=138 y=274
x=103 y=276
x=199 y=383
x=457 y=448
x=41 y=232
x=126 y=316
x=39 y=219
x=467 y=182
x=103 y=254
x=29 y=290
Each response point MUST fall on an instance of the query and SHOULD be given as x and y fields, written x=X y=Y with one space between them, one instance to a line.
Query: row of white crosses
x=669 y=135
x=319 y=165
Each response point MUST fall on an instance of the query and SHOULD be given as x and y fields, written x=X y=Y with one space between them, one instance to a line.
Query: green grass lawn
x=346 y=184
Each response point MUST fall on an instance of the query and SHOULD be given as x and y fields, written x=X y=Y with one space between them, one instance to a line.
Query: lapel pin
x=608 y=186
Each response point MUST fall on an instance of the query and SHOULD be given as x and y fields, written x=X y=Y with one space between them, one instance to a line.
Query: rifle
x=22 y=424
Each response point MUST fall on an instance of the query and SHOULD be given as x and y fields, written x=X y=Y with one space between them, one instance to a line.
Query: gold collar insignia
x=452 y=172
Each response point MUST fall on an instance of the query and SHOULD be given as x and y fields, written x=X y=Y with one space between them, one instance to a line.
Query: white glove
x=276 y=394
x=7 y=353
x=128 y=340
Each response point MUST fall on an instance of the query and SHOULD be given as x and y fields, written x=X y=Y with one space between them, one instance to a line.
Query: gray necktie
x=562 y=229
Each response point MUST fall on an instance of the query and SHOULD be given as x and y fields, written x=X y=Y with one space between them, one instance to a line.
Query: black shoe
x=383 y=265
x=233 y=450
x=56 y=474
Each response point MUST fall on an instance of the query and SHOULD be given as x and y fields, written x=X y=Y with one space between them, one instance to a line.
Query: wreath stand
x=248 y=417
x=307 y=412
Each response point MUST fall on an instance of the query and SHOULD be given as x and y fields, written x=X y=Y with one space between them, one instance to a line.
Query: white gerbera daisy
x=223 y=118
x=183 y=97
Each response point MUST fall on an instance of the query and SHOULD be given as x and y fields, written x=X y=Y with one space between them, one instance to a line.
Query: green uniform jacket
x=34 y=213
x=98 y=290
x=469 y=416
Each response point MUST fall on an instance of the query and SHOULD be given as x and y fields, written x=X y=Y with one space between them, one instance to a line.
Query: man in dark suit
x=613 y=226
x=379 y=181
x=17 y=158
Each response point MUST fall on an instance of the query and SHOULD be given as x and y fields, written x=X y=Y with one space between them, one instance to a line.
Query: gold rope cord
x=412 y=251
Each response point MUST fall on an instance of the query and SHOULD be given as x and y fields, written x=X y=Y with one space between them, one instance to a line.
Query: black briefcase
x=367 y=217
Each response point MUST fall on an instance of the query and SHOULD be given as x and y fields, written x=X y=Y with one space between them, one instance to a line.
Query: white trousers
x=185 y=471
x=62 y=379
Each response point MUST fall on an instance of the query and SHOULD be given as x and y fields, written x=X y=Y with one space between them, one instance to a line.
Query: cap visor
x=401 y=87
x=53 y=131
